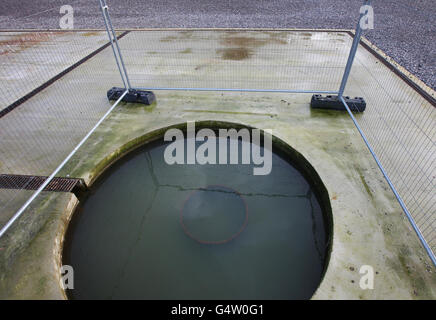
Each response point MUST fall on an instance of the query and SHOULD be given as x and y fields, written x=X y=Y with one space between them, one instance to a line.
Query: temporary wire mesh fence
x=305 y=62
x=401 y=131
x=47 y=106
x=299 y=61
x=76 y=68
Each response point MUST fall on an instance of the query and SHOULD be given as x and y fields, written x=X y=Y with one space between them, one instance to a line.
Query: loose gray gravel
x=404 y=29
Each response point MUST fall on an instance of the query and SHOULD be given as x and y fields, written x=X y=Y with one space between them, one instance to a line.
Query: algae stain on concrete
x=243 y=41
x=168 y=39
x=253 y=42
x=279 y=37
x=405 y=264
x=90 y=34
x=150 y=107
x=365 y=184
x=233 y=112
x=368 y=190
x=188 y=50
x=136 y=107
x=181 y=35
x=242 y=47
x=235 y=53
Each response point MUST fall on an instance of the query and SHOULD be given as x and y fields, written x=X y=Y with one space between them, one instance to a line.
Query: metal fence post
x=352 y=54
x=114 y=43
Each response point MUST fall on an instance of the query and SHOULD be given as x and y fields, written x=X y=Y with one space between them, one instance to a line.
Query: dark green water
x=150 y=230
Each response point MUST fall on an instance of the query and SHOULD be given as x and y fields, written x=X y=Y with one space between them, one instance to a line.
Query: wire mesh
x=47 y=102
x=399 y=123
x=231 y=59
x=69 y=97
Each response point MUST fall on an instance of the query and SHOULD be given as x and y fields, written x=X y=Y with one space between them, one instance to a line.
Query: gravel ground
x=404 y=29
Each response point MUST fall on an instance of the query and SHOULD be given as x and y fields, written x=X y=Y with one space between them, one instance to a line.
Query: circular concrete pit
x=154 y=229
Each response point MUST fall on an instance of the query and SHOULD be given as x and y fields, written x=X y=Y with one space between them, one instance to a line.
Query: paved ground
x=404 y=29
x=369 y=226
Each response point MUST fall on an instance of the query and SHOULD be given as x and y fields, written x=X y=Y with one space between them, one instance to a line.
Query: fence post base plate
x=134 y=95
x=331 y=102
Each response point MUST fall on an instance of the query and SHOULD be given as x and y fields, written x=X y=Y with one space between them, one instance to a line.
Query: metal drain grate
x=57 y=184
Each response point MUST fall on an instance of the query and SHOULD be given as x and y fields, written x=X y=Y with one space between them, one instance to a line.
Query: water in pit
x=150 y=230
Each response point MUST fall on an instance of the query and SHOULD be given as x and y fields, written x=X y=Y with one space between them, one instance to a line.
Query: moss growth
x=233 y=112
x=368 y=190
x=235 y=53
x=188 y=50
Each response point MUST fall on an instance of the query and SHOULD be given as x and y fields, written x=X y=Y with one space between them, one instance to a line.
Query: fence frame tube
x=352 y=54
x=114 y=43
x=237 y=90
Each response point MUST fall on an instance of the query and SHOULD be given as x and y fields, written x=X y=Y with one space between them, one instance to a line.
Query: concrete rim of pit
x=292 y=155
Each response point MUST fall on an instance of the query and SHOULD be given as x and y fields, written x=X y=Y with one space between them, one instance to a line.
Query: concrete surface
x=51 y=125
x=42 y=56
x=404 y=29
x=369 y=226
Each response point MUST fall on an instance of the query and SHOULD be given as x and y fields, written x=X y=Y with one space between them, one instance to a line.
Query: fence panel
x=399 y=124
x=52 y=93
